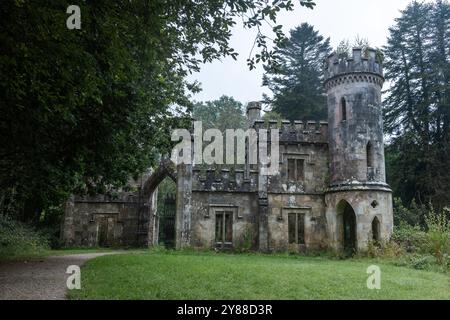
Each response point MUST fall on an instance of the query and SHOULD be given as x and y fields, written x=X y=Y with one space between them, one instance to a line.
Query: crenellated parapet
x=309 y=132
x=359 y=68
x=224 y=180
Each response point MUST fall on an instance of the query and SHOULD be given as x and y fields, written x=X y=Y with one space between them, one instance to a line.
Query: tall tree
x=82 y=110
x=417 y=106
x=297 y=81
x=224 y=113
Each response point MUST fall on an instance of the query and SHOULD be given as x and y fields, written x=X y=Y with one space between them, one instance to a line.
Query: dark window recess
x=291 y=169
x=300 y=169
x=296 y=169
x=344 y=109
x=224 y=228
x=376 y=229
x=296 y=228
x=369 y=155
x=291 y=227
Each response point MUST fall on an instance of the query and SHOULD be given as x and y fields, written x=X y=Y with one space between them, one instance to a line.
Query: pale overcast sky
x=337 y=19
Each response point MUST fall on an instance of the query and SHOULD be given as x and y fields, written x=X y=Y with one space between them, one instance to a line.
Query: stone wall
x=244 y=206
x=84 y=218
x=367 y=204
x=313 y=209
x=123 y=220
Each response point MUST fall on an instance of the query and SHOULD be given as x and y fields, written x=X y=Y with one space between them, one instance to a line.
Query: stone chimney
x=253 y=112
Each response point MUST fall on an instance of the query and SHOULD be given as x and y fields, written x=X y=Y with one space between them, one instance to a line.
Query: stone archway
x=148 y=224
x=347 y=227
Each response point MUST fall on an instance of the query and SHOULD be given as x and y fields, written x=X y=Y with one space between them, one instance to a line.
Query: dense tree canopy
x=224 y=113
x=297 y=80
x=417 y=107
x=82 y=110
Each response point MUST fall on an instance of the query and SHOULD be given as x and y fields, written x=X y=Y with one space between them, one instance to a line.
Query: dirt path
x=44 y=279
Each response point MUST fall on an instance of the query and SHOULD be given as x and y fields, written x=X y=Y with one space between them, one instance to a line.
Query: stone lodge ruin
x=331 y=190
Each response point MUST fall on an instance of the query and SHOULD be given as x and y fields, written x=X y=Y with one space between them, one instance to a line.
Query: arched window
x=369 y=155
x=343 y=109
x=376 y=229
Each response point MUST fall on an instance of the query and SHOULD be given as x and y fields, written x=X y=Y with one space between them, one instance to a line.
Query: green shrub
x=438 y=235
x=416 y=248
x=421 y=262
x=19 y=240
x=413 y=215
x=52 y=234
x=293 y=249
x=49 y=225
x=412 y=239
x=246 y=243
x=389 y=249
x=159 y=248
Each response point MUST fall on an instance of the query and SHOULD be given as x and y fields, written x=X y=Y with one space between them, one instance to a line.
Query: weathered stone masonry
x=330 y=192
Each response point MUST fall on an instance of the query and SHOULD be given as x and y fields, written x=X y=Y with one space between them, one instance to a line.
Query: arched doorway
x=347 y=218
x=155 y=208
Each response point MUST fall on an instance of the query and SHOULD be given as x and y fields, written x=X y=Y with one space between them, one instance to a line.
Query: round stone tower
x=359 y=202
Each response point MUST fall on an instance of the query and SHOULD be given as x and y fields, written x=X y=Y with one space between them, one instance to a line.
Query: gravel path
x=43 y=279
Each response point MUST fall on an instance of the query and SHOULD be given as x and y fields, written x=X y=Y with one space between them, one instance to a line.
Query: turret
x=355 y=118
x=358 y=63
x=359 y=202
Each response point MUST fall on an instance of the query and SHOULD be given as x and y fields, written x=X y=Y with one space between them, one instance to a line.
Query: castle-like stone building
x=330 y=192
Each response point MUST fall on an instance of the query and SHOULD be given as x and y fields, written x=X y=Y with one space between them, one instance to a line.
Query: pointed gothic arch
x=148 y=222
x=347 y=227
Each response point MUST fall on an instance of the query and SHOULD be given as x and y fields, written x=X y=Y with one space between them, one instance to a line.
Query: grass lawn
x=190 y=275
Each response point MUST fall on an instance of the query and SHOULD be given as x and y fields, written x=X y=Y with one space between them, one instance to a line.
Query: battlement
x=336 y=67
x=224 y=180
x=297 y=131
